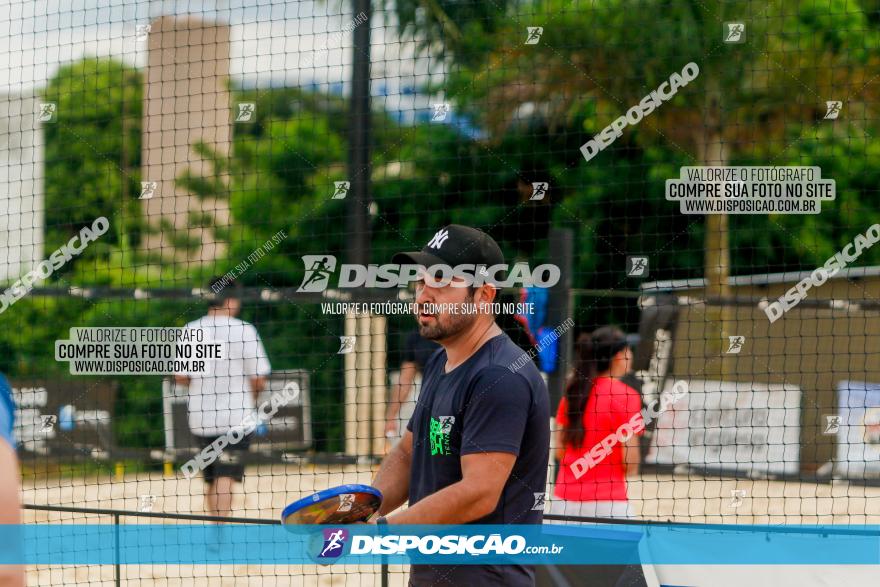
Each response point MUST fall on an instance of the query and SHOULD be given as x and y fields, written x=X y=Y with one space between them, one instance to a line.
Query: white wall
x=22 y=208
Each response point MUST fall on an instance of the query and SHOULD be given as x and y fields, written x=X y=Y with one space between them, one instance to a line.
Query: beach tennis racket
x=345 y=504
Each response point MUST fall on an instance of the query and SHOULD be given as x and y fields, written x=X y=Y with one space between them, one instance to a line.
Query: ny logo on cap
x=439 y=239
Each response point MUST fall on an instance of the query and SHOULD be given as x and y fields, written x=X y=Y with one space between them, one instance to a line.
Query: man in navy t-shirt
x=476 y=447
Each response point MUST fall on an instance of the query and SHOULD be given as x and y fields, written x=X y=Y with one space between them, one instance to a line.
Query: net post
x=116 y=570
x=560 y=306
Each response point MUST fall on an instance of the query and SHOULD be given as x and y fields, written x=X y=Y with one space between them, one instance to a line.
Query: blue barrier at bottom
x=557 y=544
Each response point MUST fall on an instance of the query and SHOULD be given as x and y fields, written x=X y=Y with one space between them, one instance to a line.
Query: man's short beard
x=455 y=323
x=438 y=331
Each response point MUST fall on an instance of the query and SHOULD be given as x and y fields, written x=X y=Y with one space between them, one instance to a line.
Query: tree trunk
x=712 y=150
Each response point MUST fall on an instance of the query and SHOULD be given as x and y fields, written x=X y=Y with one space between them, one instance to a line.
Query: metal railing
x=118 y=514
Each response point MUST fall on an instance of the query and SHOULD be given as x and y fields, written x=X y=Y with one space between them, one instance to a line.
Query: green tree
x=93 y=152
x=276 y=181
x=461 y=31
x=766 y=91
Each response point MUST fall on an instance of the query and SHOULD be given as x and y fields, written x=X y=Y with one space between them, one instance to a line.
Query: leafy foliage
x=538 y=104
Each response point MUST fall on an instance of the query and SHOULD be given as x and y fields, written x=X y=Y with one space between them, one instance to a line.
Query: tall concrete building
x=22 y=205
x=186 y=100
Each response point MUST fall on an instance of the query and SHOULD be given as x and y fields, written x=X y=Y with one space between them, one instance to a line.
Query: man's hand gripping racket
x=345 y=504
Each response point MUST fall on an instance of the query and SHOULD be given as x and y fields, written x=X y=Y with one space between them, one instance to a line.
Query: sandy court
x=690 y=498
x=267 y=489
x=264 y=493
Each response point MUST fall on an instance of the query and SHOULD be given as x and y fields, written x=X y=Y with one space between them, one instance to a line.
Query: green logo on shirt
x=438 y=435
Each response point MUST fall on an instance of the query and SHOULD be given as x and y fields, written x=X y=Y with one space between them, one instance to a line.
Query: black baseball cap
x=453 y=245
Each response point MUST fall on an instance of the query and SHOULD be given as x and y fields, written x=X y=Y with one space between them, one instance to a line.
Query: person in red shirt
x=599 y=421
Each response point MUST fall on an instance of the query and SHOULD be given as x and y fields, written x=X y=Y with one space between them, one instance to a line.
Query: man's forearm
x=258 y=384
x=394 y=404
x=458 y=503
x=401 y=390
x=393 y=479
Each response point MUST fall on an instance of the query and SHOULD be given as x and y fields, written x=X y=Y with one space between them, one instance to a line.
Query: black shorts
x=229 y=463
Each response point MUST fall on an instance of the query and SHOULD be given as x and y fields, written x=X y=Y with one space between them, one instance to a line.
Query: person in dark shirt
x=416 y=352
x=477 y=446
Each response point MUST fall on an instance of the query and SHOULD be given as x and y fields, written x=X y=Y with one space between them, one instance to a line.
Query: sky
x=293 y=43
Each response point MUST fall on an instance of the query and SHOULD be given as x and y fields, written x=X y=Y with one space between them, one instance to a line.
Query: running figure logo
x=539 y=190
x=340 y=190
x=737 y=497
x=832 y=424
x=735 y=344
x=346 y=501
x=833 y=109
x=47 y=112
x=146 y=503
x=246 y=111
x=439 y=435
x=440 y=112
x=334 y=543
x=736 y=32
x=148 y=189
x=319 y=268
x=48 y=422
x=540 y=499
x=346 y=345
x=637 y=266
x=534 y=34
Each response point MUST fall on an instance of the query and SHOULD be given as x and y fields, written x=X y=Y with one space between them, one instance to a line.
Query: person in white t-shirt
x=223 y=398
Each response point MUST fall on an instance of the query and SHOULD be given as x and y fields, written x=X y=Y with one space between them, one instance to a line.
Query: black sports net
x=700 y=173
